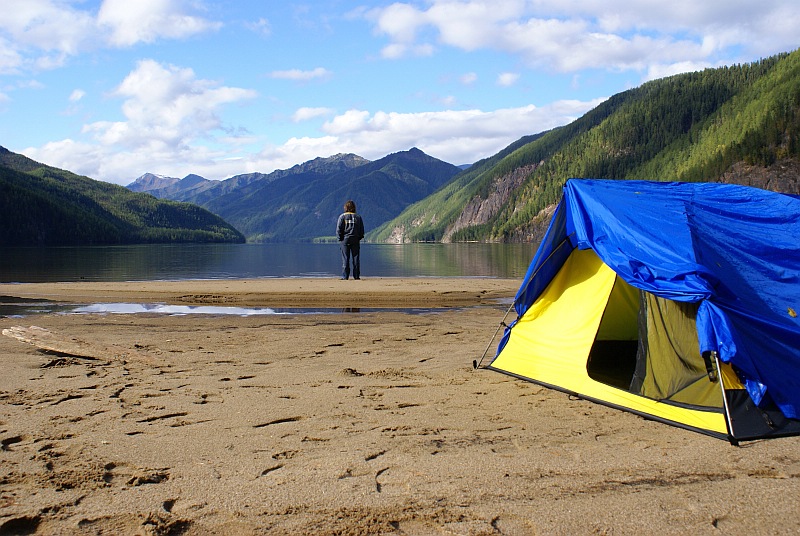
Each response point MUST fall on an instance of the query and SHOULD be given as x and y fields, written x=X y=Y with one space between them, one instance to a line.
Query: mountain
x=151 y=181
x=303 y=202
x=198 y=190
x=736 y=124
x=45 y=206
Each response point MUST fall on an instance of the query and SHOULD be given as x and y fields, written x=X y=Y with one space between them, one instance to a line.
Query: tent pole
x=731 y=437
x=476 y=363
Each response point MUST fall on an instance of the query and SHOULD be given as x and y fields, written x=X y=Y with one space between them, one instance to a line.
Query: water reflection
x=14 y=307
x=156 y=308
x=224 y=261
x=458 y=260
x=181 y=310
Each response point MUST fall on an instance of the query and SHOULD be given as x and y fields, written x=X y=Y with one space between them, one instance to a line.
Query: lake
x=236 y=261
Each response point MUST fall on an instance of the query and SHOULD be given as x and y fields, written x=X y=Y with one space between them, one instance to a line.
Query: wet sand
x=299 y=292
x=348 y=423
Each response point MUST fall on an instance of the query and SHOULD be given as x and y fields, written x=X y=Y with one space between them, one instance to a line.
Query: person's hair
x=350 y=206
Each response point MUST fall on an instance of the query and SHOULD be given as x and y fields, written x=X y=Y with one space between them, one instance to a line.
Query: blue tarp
x=734 y=249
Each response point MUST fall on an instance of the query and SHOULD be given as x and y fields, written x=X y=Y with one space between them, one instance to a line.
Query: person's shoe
x=344 y=278
x=356 y=278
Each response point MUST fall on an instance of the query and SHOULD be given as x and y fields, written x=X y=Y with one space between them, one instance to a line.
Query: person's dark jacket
x=350 y=228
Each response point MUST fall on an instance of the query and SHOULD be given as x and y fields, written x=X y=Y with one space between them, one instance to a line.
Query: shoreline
x=381 y=292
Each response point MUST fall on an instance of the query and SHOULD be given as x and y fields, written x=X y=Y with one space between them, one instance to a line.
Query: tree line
x=45 y=206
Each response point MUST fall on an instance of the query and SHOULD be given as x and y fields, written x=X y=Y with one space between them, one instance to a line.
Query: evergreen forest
x=44 y=206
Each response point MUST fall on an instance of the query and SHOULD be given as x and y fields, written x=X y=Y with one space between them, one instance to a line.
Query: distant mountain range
x=45 y=206
x=733 y=124
x=197 y=189
x=302 y=203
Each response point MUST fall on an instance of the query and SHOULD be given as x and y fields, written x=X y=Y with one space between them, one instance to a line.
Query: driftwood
x=64 y=345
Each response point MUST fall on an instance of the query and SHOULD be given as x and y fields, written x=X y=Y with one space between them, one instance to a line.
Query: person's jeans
x=351 y=250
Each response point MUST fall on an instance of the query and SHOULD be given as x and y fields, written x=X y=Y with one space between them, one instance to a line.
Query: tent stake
x=475 y=362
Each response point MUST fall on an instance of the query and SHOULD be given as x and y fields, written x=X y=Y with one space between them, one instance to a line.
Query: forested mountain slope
x=733 y=124
x=44 y=206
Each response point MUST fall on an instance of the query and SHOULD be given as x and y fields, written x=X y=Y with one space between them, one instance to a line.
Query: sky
x=114 y=89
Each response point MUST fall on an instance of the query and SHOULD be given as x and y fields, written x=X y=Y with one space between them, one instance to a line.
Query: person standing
x=350 y=231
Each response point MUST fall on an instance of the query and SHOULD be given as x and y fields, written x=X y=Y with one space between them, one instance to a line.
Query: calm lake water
x=233 y=261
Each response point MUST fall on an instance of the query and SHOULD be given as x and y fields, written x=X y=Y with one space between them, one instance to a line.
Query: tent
x=675 y=301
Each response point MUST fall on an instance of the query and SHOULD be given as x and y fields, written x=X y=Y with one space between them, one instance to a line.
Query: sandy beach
x=351 y=422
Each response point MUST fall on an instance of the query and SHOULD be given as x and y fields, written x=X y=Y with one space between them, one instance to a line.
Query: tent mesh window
x=669 y=364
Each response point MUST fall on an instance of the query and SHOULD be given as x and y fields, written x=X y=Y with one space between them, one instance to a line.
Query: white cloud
x=74 y=100
x=171 y=118
x=44 y=34
x=400 y=50
x=454 y=136
x=76 y=95
x=306 y=113
x=132 y=22
x=507 y=79
x=469 y=78
x=45 y=25
x=167 y=103
x=395 y=50
x=300 y=75
x=10 y=58
x=615 y=34
x=351 y=121
x=400 y=21
x=472 y=25
x=174 y=144
x=467 y=25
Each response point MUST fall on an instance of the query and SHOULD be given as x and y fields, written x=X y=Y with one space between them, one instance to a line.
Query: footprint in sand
x=21 y=525
x=134 y=476
x=6 y=443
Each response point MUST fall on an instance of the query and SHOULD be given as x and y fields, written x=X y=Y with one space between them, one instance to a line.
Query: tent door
x=612 y=359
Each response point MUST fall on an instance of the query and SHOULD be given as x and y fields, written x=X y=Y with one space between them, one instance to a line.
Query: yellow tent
x=673 y=301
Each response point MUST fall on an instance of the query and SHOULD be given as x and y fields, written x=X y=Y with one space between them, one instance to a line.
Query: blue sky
x=113 y=89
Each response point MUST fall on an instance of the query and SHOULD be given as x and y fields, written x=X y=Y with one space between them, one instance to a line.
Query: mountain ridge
x=303 y=202
x=41 y=205
x=163 y=186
